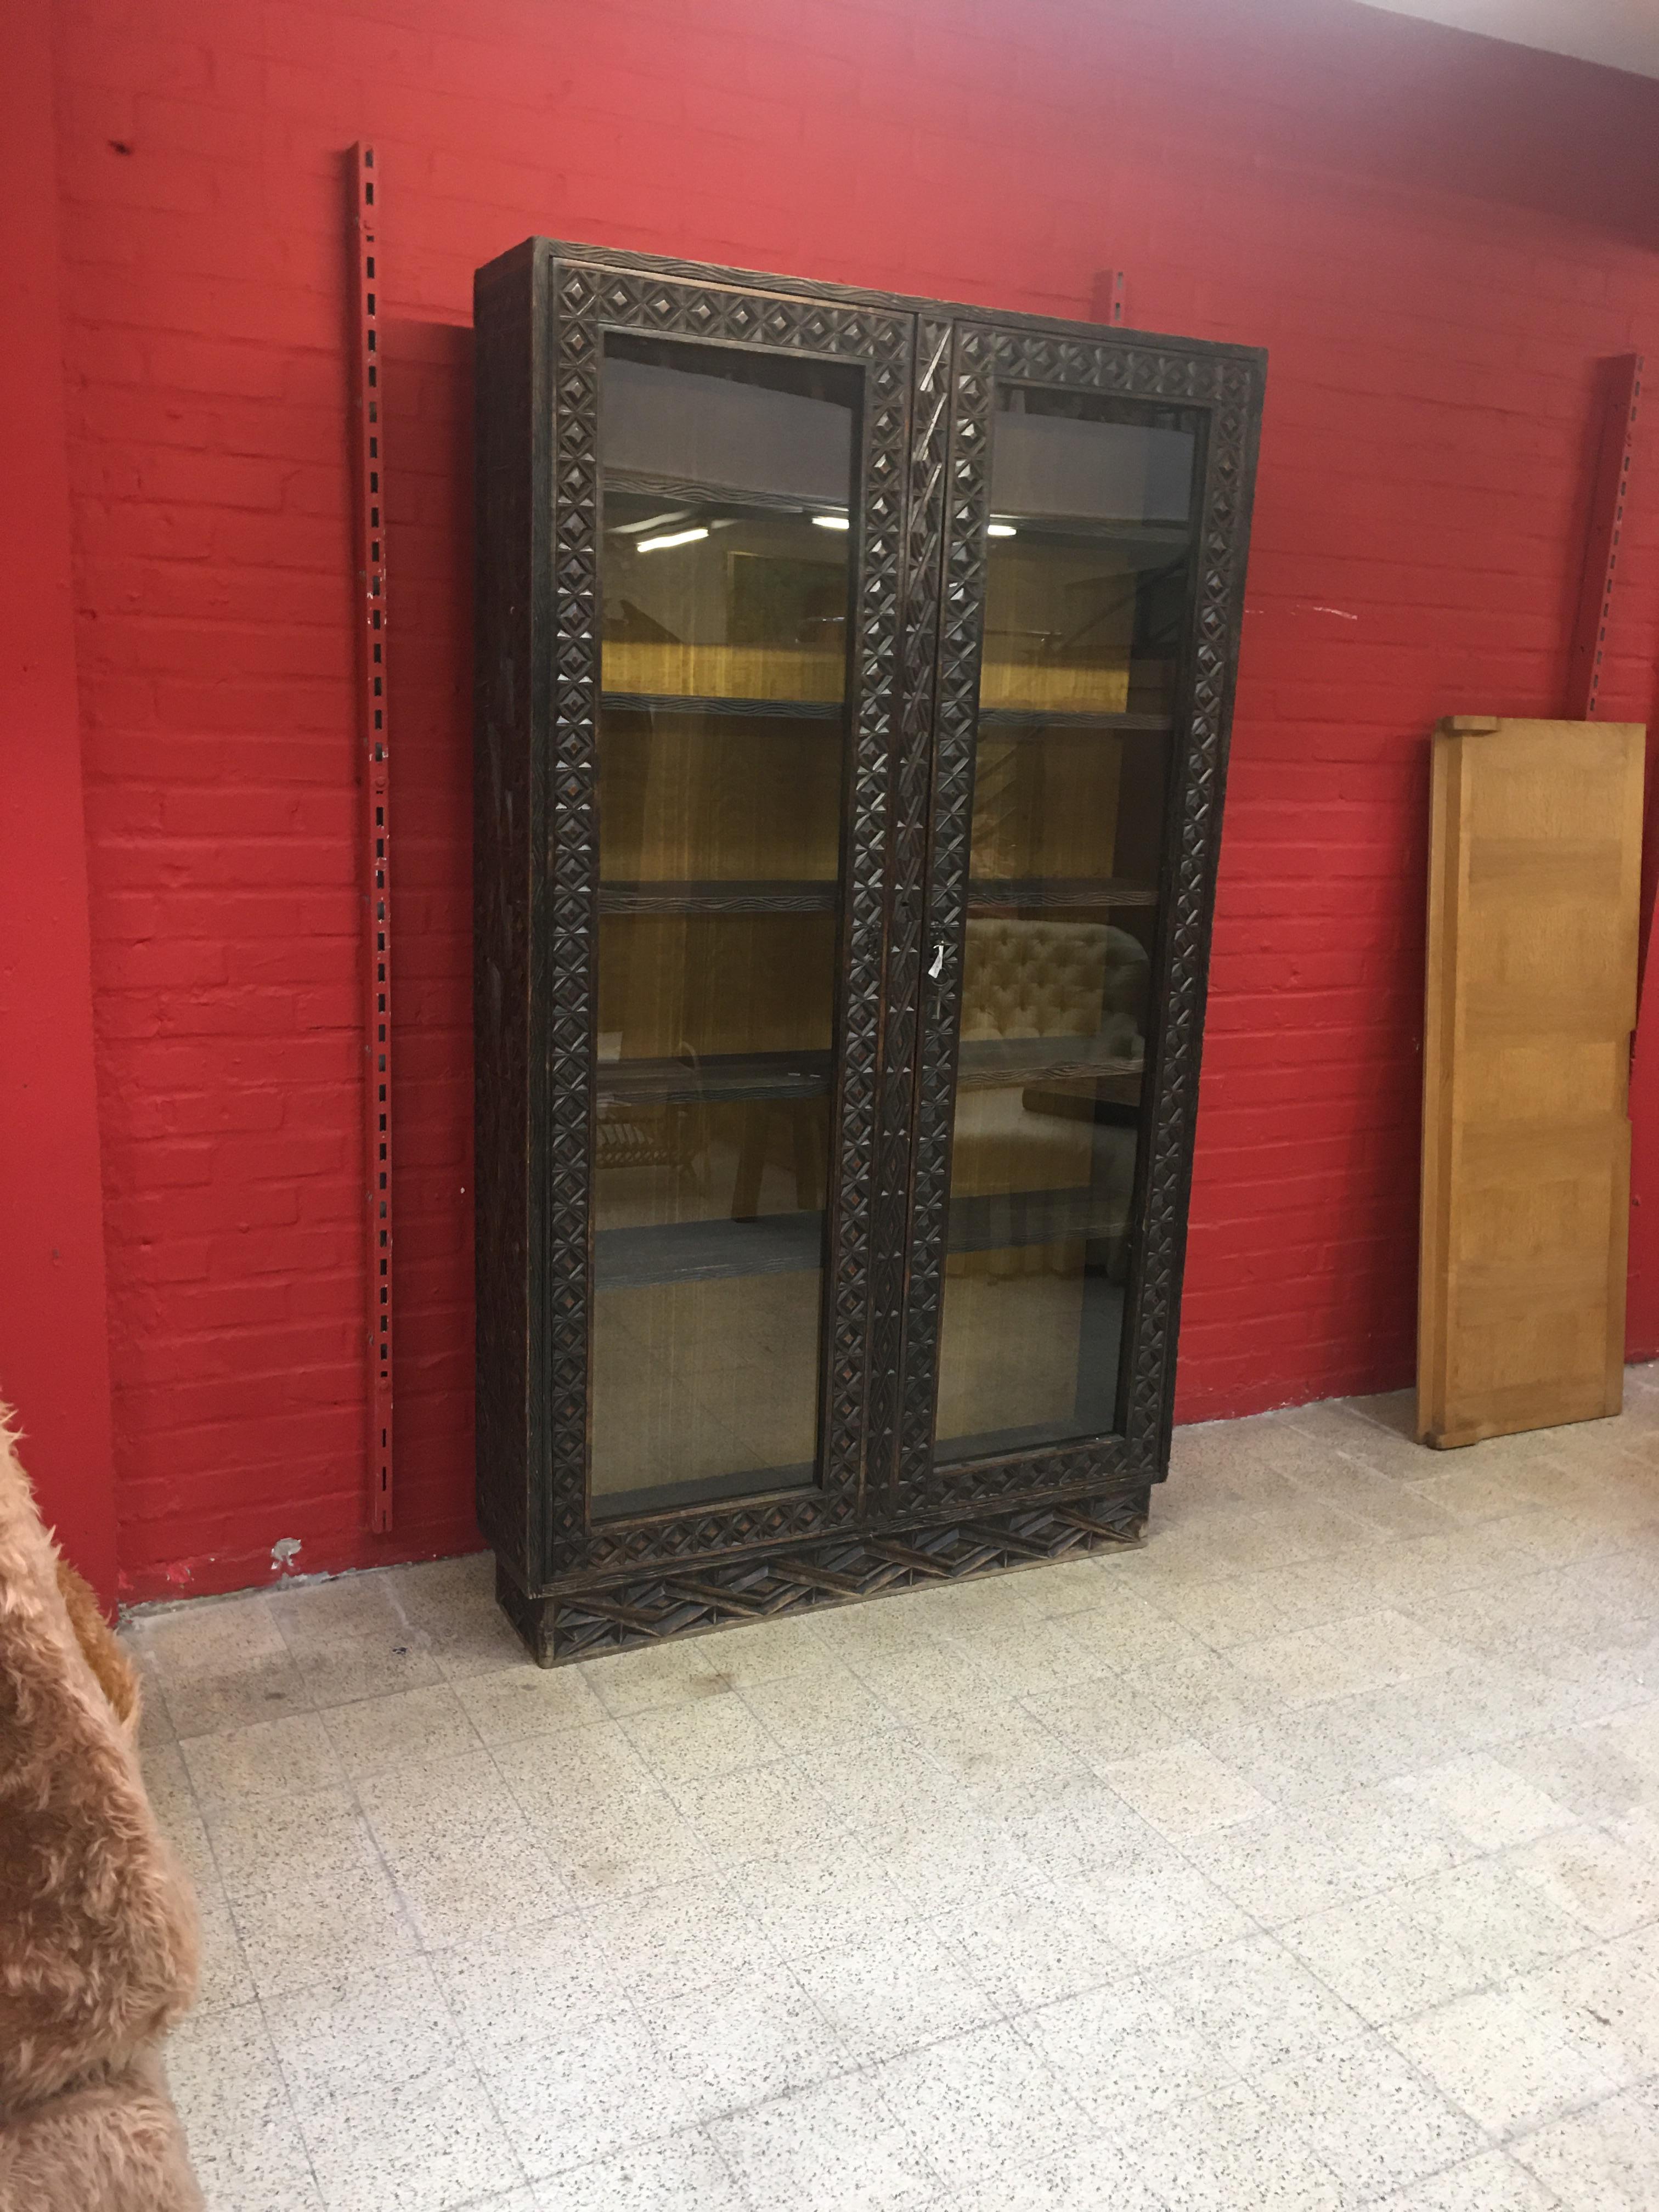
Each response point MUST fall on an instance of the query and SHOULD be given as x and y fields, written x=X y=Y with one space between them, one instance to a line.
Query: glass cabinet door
x=1083 y=559
x=729 y=516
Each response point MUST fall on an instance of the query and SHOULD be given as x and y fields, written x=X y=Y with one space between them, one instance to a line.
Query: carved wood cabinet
x=854 y=680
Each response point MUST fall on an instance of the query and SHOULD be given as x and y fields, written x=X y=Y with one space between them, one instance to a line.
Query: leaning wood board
x=1534 y=886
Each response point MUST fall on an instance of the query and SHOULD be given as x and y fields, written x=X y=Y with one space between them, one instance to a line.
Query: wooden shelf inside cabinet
x=725 y=1077
x=1034 y=721
x=790 y=1244
x=682 y=703
x=707 y=1251
x=719 y=897
x=1008 y=1220
x=1002 y=1063
x=1053 y=894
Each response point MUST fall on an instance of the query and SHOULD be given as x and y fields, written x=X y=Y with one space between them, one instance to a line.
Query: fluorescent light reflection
x=1000 y=529
x=830 y=522
x=673 y=537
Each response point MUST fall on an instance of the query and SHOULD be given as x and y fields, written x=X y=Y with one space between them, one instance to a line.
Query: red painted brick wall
x=1437 y=236
x=54 y=1357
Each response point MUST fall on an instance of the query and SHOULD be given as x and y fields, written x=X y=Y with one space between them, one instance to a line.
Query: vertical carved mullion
x=967 y=493
x=853 y=1244
x=572 y=862
x=912 y=792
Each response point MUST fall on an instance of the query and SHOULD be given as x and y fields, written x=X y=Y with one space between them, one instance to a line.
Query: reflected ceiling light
x=831 y=522
x=1000 y=529
x=674 y=537
x=649 y=522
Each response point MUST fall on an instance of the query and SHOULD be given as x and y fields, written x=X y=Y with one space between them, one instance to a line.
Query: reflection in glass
x=1087 y=569
x=726 y=577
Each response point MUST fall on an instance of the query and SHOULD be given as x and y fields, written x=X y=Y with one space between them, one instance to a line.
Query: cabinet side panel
x=503 y=747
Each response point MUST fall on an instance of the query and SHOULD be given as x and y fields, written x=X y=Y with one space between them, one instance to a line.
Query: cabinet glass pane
x=1089 y=559
x=725 y=577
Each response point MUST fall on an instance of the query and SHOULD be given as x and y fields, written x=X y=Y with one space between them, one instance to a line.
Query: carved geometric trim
x=576 y=1624
x=908 y=937
x=584 y=301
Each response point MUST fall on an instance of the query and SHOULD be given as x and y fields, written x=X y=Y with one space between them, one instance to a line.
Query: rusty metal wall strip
x=363 y=222
x=1621 y=399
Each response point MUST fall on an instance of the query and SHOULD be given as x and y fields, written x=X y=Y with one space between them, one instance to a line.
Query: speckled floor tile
x=910 y=1986
x=1085 y=2176
x=1258 y=2005
x=834 y=2148
x=1505 y=2062
x=450 y=1606
x=732 y=2045
x=466 y=1858
x=353 y=2028
x=708 y=1737
x=376 y=1733
x=1024 y=1948
x=1306 y=1860
x=1486 y=1801
x=221 y=1664
x=1369 y=2117
x=1492 y=2183
x=758 y=1812
x=517 y=1702
x=245 y=2139
x=968 y=2101
x=351 y=1639
x=1228 y=2151
x=1602 y=2159
x=590 y=2092
x=1184 y=1791
x=683 y=2172
x=526 y=1984
x=1128 y=2047
x=420 y=2142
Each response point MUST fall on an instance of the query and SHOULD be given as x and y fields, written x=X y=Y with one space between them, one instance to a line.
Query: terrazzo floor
x=1307 y=1858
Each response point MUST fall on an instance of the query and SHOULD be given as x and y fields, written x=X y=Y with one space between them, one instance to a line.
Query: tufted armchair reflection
x=1086 y=979
x=1026 y=980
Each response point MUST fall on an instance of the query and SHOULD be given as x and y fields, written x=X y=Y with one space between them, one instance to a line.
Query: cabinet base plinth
x=576 y=1623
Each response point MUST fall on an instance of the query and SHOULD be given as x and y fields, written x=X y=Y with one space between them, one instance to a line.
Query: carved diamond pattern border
x=585 y=299
x=645 y=1610
x=956 y=730
x=912 y=791
x=1228 y=388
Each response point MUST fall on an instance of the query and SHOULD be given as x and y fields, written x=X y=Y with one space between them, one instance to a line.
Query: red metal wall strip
x=1106 y=299
x=377 y=859
x=1622 y=401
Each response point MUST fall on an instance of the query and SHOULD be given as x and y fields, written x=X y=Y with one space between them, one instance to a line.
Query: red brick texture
x=54 y=1357
x=1437 y=237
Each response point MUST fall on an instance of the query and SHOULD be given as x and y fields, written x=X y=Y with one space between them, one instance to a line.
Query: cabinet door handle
x=937 y=969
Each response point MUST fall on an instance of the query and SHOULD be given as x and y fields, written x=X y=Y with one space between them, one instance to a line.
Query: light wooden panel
x=1534 y=869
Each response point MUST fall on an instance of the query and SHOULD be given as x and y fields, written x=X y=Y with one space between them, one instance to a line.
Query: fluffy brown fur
x=117 y=1678
x=97 y=1941
x=109 y=2146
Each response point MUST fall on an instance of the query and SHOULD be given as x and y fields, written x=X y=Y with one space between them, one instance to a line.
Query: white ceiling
x=1623 y=34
